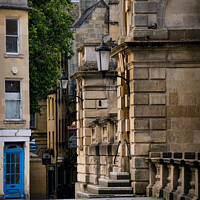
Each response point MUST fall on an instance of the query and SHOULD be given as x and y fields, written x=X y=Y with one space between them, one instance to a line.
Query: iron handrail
x=116 y=151
x=128 y=149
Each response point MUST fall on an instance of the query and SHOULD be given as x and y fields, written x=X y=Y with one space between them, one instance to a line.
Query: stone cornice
x=15 y=7
x=90 y=74
x=126 y=47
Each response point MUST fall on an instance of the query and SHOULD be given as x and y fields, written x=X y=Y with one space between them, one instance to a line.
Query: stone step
x=114 y=183
x=87 y=195
x=116 y=169
x=119 y=175
x=97 y=189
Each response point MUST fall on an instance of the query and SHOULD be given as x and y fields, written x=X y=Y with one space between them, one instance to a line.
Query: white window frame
x=15 y=53
x=13 y=95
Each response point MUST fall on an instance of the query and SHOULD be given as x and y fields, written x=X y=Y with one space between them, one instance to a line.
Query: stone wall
x=37 y=178
x=163 y=19
x=94 y=157
x=164 y=107
x=95 y=27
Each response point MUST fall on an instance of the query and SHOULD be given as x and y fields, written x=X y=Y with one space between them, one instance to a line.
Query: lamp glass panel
x=98 y=60
x=64 y=84
x=105 y=59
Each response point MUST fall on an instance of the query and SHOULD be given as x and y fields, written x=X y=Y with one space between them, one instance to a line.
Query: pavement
x=129 y=198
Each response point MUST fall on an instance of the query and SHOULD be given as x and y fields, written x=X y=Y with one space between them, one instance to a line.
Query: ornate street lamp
x=63 y=81
x=103 y=60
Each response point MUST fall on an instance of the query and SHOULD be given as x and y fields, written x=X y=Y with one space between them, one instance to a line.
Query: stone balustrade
x=174 y=175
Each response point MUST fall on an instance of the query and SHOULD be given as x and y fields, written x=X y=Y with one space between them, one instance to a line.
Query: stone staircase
x=117 y=186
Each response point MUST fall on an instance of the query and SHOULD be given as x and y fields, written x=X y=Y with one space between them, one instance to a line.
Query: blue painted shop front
x=14 y=172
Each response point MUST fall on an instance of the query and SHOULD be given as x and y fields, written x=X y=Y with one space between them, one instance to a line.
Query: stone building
x=151 y=138
x=14 y=98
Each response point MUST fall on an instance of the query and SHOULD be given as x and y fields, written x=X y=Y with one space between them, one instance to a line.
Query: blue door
x=14 y=173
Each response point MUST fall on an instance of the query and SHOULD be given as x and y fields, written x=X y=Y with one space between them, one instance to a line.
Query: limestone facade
x=158 y=52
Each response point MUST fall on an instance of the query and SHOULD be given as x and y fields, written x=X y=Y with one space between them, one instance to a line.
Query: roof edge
x=93 y=7
x=15 y=7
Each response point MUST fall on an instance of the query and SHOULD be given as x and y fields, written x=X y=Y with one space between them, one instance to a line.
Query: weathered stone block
x=157 y=99
x=185 y=124
x=139 y=174
x=127 y=101
x=93 y=179
x=141 y=137
x=89 y=104
x=102 y=104
x=139 y=187
x=93 y=160
x=173 y=99
x=189 y=99
x=139 y=163
x=177 y=111
x=83 y=177
x=103 y=160
x=140 y=124
x=121 y=126
x=86 y=122
x=93 y=169
x=158 y=147
x=87 y=132
x=140 y=20
x=150 y=111
x=144 y=7
x=94 y=150
x=158 y=124
x=140 y=149
x=148 y=86
x=157 y=73
x=103 y=170
x=158 y=136
x=95 y=113
x=86 y=141
x=94 y=95
x=120 y=102
x=85 y=150
x=83 y=168
x=139 y=99
x=105 y=150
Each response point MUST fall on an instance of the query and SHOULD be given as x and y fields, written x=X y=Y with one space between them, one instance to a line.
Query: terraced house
x=14 y=100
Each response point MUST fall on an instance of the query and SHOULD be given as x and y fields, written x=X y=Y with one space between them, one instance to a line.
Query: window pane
x=12 y=158
x=7 y=179
x=17 y=157
x=7 y=168
x=12 y=86
x=8 y=158
x=17 y=179
x=17 y=168
x=11 y=26
x=11 y=44
x=12 y=168
x=12 y=179
x=12 y=109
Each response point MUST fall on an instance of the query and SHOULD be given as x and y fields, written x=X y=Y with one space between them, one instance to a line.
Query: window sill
x=14 y=121
x=7 y=55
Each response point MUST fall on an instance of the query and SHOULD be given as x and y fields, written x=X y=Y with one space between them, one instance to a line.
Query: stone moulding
x=128 y=46
x=15 y=7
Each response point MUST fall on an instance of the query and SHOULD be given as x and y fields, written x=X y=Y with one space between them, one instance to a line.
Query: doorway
x=14 y=172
